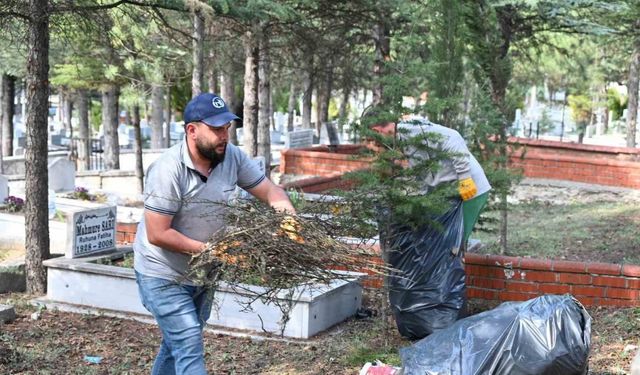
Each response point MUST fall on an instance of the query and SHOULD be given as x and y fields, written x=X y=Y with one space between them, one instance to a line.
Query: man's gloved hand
x=467 y=188
x=291 y=228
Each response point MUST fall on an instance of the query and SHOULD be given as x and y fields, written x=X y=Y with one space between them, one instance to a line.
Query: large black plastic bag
x=427 y=292
x=548 y=335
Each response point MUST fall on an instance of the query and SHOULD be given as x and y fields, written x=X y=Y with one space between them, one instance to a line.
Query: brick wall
x=321 y=161
x=604 y=165
x=126 y=233
x=614 y=166
x=502 y=278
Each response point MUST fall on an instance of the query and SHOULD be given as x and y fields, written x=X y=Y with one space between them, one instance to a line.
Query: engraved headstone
x=299 y=138
x=91 y=231
x=62 y=175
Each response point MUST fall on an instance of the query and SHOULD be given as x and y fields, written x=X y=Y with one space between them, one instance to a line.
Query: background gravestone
x=299 y=138
x=62 y=175
x=90 y=232
x=4 y=188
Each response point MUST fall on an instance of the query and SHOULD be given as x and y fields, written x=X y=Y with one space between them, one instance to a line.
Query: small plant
x=13 y=204
x=81 y=193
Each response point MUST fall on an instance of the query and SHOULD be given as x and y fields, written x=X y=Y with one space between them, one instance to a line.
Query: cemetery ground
x=548 y=220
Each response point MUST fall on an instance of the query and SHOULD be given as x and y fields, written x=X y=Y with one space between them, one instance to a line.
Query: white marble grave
x=4 y=188
x=62 y=175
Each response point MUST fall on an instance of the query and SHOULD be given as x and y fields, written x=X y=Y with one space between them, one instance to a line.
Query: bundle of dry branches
x=278 y=252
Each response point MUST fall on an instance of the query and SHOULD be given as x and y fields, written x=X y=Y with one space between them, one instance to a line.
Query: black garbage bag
x=427 y=290
x=548 y=335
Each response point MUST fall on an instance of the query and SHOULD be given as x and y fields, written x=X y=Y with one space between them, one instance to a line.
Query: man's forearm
x=279 y=200
x=173 y=240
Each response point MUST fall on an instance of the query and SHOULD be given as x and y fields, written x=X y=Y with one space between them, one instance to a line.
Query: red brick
x=623 y=293
x=536 y=264
x=539 y=276
x=554 y=288
x=119 y=237
x=633 y=283
x=127 y=227
x=588 y=301
x=631 y=270
x=574 y=278
x=486 y=283
x=515 y=296
x=485 y=271
x=517 y=286
x=604 y=268
x=567 y=266
x=618 y=282
x=589 y=291
x=618 y=302
x=482 y=293
x=503 y=261
x=471 y=258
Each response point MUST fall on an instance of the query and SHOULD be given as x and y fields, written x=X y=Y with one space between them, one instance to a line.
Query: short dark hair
x=374 y=116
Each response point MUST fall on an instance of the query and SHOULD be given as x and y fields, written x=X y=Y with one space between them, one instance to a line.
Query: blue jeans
x=181 y=312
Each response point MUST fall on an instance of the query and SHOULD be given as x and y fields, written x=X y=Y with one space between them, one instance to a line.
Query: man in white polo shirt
x=186 y=191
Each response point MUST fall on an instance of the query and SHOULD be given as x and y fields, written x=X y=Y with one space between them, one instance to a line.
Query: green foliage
x=95 y=114
x=581 y=109
x=616 y=103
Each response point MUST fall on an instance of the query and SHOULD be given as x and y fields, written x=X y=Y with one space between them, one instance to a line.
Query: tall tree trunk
x=250 y=115
x=342 y=111
x=157 y=103
x=36 y=177
x=198 y=54
x=8 y=109
x=212 y=75
x=382 y=45
x=228 y=94
x=632 y=88
x=110 y=96
x=84 y=135
x=167 y=117
x=291 y=107
x=264 y=86
x=1 y=122
x=320 y=94
x=137 y=148
x=307 y=93
x=67 y=110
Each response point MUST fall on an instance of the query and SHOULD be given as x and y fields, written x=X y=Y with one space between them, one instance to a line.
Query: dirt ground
x=53 y=342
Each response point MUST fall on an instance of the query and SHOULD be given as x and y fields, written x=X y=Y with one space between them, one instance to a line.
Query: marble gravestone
x=299 y=138
x=4 y=188
x=91 y=232
x=62 y=175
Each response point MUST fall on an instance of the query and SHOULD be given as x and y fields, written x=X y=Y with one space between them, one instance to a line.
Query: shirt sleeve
x=162 y=193
x=249 y=172
x=454 y=143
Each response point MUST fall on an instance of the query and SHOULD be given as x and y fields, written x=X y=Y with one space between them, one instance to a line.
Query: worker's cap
x=210 y=109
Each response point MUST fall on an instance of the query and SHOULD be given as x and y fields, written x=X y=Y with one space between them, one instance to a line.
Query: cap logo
x=217 y=102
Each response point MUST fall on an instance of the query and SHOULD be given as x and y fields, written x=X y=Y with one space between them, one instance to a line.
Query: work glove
x=291 y=228
x=467 y=188
x=222 y=249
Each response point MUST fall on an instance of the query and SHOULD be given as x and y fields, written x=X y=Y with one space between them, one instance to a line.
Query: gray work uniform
x=174 y=187
x=460 y=165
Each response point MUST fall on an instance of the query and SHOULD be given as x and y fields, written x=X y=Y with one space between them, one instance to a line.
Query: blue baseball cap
x=210 y=109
